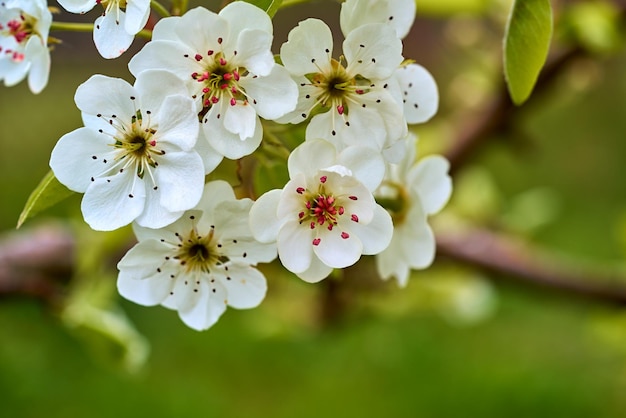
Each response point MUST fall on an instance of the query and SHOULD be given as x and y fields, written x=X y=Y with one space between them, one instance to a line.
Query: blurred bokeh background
x=457 y=342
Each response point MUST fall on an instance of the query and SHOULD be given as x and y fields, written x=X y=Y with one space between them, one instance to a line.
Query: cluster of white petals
x=134 y=159
x=115 y=30
x=227 y=64
x=199 y=264
x=325 y=217
x=417 y=190
x=24 y=27
x=202 y=86
x=353 y=103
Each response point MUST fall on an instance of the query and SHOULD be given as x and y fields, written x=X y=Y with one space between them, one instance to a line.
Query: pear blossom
x=413 y=86
x=412 y=192
x=24 y=28
x=115 y=29
x=399 y=14
x=350 y=98
x=325 y=217
x=227 y=64
x=201 y=263
x=134 y=159
x=418 y=90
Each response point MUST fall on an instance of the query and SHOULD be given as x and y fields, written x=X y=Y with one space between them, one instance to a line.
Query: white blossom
x=226 y=62
x=115 y=30
x=350 y=97
x=418 y=92
x=399 y=14
x=325 y=217
x=412 y=192
x=199 y=264
x=135 y=157
x=24 y=28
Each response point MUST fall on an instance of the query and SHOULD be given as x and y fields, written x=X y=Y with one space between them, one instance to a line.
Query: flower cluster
x=24 y=27
x=205 y=87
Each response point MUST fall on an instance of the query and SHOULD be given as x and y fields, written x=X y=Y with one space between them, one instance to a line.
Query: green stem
x=88 y=27
x=159 y=8
x=71 y=27
x=179 y=7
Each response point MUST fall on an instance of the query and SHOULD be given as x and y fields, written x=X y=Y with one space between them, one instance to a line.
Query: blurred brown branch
x=519 y=260
x=498 y=114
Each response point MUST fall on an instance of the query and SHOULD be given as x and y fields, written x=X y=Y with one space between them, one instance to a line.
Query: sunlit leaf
x=452 y=7
x=270 y=6
x=48 y=193
x=526 y=45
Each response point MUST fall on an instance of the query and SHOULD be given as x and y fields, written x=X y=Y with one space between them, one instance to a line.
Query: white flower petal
x=373 y=51
x=210 y=157
x=316 y=272
x=376 y=235
x=272 y=96
x=338 y=248
x=306 y=102
x=264 y=222
x=39 y=56
x=242 y=15
x=139 y=280
x=180 y=177
x=419 y=93
x=107 y=204
x=90 y=99
x=165 y=29
x=366 y=165
x=246 y=287
x=311 y=156
x=109 y=35
x=153 y=86
x=430 y=179
x=364 y=127
x=165 y=55
x=308 y=48
x=240 y=119
x=137 y=13
x=154 y=215
x=225 y=142
x=199 y=29
x=417 y=242
x=295 y=246
x=72 y=158
x=149 y=291
x=254 y=52
x=207 y=309
x=77 y=6
x=399 y=14
x=215 y=192
x=389 y=264
x=178 y=123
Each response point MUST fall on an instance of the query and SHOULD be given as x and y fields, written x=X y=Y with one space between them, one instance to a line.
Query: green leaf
x=270 y=6
x=48 y=193
x=526 y=45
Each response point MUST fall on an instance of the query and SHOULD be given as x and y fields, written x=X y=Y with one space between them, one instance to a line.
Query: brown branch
x=498 y=115
x=521 y=261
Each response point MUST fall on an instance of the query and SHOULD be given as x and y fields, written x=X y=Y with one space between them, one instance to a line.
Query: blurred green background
x=452 y=344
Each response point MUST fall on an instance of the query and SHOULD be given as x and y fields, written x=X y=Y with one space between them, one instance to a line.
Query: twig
x=516 y=259
x=498 y=114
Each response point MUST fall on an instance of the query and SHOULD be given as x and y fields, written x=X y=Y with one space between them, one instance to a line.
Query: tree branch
x=518 y=260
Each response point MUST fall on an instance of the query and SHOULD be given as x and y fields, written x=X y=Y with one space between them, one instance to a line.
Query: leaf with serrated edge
x=526 y=45
x=48 y=193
